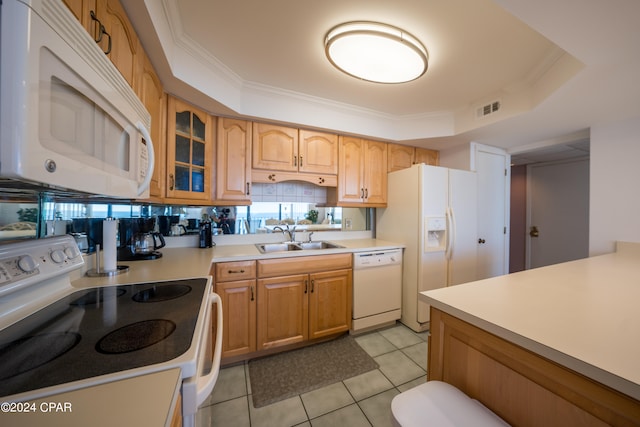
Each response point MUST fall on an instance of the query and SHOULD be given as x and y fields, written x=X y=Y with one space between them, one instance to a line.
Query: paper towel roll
x=109 y=250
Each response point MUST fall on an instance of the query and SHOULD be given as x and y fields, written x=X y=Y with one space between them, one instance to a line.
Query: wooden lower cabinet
x=301 y=307
x=272 y=305
x=283 y=307
x=521 y=387
x=235 y=283
x=239 y=317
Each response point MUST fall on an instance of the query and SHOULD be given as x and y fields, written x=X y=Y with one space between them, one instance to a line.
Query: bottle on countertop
x=206 y=238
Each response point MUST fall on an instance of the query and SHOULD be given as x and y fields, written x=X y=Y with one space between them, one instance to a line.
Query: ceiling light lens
x=376 y=52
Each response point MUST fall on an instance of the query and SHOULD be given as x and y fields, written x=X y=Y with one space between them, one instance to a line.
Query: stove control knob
x=27 y=264
x=57 y=256
x=72 y=252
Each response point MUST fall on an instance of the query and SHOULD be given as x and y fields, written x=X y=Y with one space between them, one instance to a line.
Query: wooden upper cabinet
x=151 y=94
x=399 y=157
x=375 y=173
x=123 y=41
x=189 y=152
x=275 y=147
x=362 y=176
x=280 y=148
x=82 y=11
x=351 y=170
x=318 y=152
x=426 y=156
x=233 y=171
x=403 y=156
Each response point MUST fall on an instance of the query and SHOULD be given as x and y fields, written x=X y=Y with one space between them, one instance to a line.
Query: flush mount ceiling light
x=376 y=52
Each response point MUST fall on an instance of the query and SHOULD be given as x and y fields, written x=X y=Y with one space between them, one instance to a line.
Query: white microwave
x=68 y=119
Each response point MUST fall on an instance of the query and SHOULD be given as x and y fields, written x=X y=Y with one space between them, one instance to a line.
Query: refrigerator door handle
x=451 y=232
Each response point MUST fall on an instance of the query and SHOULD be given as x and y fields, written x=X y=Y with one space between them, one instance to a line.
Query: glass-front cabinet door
x=189 y=151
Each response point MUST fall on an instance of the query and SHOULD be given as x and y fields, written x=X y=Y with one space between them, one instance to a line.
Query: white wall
x=614 y=209
x=458 y=157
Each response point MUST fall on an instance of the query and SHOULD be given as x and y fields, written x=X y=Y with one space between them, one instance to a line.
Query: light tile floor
x=363 y=400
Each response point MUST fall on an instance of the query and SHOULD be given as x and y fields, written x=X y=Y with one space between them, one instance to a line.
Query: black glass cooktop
x=100 y=331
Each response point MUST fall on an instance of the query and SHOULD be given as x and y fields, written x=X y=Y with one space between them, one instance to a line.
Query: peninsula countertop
x=581 y=314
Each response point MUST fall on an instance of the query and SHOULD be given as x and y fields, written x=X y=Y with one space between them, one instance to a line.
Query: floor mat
x=278 y=377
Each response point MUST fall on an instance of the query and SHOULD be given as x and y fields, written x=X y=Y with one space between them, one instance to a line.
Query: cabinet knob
x=321 y=180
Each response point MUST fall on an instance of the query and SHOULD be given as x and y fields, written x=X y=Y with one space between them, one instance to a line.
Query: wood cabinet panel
x=310 y=264
x=274 y=147
x=399 y=157
x=239 y=316
x=403 y=156
x=282 y=311
x=318 y=152
x=362 y=176
x=123 y=42
x=521 y=387
x=375 y=173
x=426 y=156
x=235 y=270
x=82 y=9
x=151 y=94
x=233 y=170
x=189 y=152
x=330 y=297
x=351 y=170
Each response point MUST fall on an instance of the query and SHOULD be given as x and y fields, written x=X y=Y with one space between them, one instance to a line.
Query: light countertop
x=250 y=251
x=147 y=400
x=582 y=314
x=188 y=262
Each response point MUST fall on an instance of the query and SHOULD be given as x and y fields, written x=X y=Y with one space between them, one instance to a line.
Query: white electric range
x=55 y=338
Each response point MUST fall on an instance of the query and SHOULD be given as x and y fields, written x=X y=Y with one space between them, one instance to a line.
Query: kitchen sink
x=294 y=246
x=318 y=245
x=277 y=247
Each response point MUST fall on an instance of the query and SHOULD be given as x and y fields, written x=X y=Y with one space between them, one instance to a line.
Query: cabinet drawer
x=298 y=265
x=238 y=270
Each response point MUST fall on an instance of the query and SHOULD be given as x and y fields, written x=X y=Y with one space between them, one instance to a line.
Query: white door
x=492 y=166
x=558 y=214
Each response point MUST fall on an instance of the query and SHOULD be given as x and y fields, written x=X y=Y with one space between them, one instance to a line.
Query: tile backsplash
x=292 y=191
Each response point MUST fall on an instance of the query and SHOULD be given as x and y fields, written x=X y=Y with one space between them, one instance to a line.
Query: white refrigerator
x=432 y=210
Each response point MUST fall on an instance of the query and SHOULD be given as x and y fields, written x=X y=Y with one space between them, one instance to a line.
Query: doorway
x=549 y=191
x=557 y=212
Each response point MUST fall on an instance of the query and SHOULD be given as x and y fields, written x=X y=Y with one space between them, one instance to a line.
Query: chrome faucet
x=290 y=231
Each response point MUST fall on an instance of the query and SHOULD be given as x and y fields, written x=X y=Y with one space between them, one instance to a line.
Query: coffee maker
x=139 y=240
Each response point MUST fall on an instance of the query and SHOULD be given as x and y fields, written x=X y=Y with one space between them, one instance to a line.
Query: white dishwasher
x=377 y=288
